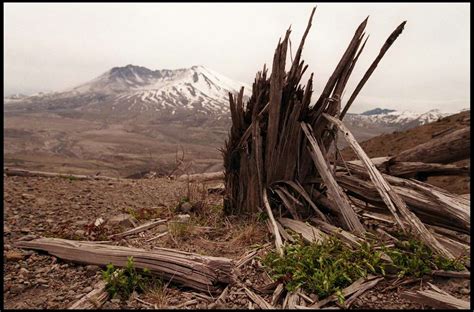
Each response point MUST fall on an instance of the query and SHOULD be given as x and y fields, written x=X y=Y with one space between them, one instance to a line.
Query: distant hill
x=393 y=143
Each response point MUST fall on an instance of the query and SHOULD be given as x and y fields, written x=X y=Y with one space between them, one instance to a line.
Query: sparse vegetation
x=327 y=267
x=124 y=281
x=143 y=213
x=413 y=258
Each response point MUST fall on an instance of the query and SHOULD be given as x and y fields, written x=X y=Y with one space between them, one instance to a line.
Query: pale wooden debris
x=28 y=173
x=257 y=299
x=278 y=241
x=349 y=217
x=203 y=273
x=436 y=299
x=92 y=300
x=157 y=236
x=462 y=274
x=309 y=233
x=139 y=228
x=277 y=294
x=393 y=201
x=202 y=177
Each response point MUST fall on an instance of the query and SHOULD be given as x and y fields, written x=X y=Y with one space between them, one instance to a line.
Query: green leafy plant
x=123 y=281
x=412 y=257
x=327 y=267
x=323 y=268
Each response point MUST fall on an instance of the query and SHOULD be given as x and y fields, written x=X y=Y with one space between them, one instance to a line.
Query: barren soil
x=60 y=207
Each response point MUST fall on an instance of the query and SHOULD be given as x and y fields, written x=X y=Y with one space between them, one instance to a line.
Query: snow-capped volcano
x=398 y=119
x=135 y=89
x=141 y=89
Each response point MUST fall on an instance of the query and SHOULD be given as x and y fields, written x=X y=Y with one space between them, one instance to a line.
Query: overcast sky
x=52 y=47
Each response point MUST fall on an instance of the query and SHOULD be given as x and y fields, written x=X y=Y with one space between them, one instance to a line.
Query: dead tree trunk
x=451 y=147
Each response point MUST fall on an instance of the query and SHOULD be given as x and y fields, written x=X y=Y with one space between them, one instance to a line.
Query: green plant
x=70 y=178
x=143 y=213
x=323 y=268
x=124 y=281
x=179 y=229
x=327 y=267
x=412 y=257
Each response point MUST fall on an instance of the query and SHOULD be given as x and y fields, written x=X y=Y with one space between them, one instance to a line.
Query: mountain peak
x=377 y=111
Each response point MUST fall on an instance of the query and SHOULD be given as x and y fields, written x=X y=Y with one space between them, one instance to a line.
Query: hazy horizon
x=53 y=47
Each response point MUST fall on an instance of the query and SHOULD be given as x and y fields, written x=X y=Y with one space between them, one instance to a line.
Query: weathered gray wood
x=139 y=229
x=257 y=299
x=203 y=273
x=446 y=149
x=92 y=300
x=308 y=232
x=436 y=299
x=278 y=241
x=202 y=177
x=415 y=169
x=29 y=173
x=394 y=202
x=349 y=217
x=388 y=43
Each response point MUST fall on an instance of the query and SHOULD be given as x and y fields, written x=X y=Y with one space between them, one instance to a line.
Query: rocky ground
x=67 y=208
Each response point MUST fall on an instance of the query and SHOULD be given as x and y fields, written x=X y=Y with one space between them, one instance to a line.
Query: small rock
x=6 y=229
x=464 y=291
x=71 y=292
x=7 y=247
x=80 y=233
x=23 y=271
x=81 y=223
x=116 y=301
x=42 y=281
x=91 y=270
x=184 y=218
x=12 y=255
x=27 y=196
x=162 y=228
x=88 y=289
x=186 y=207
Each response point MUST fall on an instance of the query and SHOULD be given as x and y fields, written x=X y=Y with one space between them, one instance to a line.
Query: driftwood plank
x=203 y=273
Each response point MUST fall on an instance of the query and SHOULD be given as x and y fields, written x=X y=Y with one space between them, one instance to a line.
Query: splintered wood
x=281 y=156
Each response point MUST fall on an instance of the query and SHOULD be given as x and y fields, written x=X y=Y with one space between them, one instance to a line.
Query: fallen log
x=413 y=169
x=446 y=149
x=394 y=202
x=28 y=173
x=202 y=177
x=433 y=206
x=203 y=273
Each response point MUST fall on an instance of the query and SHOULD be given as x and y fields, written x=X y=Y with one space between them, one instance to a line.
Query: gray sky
x=51 y=46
